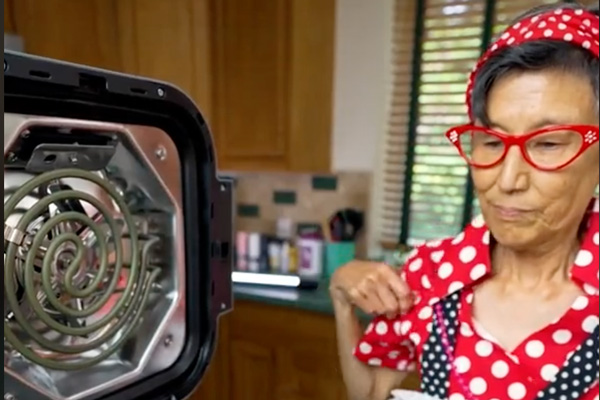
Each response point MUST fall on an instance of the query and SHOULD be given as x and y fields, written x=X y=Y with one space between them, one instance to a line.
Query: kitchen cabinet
x=270 y=352
x=272 y=83
x=260 y=71
x=71 y=30
x=166 y=40
x=9 y=23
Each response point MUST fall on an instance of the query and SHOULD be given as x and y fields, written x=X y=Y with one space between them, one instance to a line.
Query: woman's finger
x=389 y=301
x=401 y=290
x=377 y=289
x=364 y=299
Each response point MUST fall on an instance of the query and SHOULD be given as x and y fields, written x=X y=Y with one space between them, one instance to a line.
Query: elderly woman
x=509 y=308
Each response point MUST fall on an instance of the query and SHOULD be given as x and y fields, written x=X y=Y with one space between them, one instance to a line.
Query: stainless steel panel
x=95 y=257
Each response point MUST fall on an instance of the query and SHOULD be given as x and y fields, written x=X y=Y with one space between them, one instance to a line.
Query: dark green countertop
x=316 y=300
x=313 y=300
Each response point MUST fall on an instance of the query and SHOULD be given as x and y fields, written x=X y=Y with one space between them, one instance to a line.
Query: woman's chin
x=516 y=237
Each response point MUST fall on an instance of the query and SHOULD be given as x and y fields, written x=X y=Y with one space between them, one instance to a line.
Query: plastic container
x=338 y=254
x=310 y=252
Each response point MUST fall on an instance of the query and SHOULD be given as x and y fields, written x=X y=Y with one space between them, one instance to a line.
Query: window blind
x=450 y=46
x=508 y=10
x=389 y=182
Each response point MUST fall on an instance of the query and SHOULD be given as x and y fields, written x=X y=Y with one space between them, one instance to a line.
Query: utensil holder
x=338 y=254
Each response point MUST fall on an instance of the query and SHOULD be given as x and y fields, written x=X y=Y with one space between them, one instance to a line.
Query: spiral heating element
x=76 y=282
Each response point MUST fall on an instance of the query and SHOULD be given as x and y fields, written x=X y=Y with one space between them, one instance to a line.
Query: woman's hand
x=375 y=288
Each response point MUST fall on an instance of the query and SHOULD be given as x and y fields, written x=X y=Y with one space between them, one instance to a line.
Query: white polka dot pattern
x=440 y=273
x=579 y=373
x=573 y=26
x=435 y=366
x=439 y=364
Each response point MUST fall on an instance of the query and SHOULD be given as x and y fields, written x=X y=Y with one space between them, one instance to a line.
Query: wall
x=361 y=82
x=361 y=92
x=263 y=198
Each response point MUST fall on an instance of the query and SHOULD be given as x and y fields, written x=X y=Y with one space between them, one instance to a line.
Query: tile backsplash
x=306 y=199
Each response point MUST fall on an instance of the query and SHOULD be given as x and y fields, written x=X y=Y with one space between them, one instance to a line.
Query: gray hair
x=535 y=56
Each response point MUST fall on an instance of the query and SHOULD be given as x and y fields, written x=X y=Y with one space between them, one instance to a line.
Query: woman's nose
x=514 y=172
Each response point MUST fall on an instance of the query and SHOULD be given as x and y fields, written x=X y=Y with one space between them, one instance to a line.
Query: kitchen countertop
x=314 y=300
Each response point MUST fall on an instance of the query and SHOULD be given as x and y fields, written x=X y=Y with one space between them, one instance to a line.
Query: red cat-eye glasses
x=548 y=149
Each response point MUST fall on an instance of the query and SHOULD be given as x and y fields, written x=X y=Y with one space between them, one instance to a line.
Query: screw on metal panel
x=9 y=396
x=73 y=158
x=161 y=153
x=161 y=92
x=25 y=134
x=223 y=306
x=223 y=188
x=168 y=341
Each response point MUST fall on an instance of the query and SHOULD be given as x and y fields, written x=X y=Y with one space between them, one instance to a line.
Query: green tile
x=284 y=197
x=248 y=210
x=308 y=228
x=324 y=183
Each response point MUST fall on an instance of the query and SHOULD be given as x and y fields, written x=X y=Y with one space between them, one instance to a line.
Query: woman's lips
x=511 y=213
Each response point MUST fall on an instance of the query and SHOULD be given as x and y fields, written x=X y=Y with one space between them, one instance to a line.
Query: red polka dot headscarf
x=576 y=26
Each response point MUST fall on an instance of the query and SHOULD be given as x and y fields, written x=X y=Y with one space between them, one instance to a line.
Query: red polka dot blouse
x=481 y=366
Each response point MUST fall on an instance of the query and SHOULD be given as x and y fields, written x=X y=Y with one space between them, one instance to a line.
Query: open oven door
x=117 y=235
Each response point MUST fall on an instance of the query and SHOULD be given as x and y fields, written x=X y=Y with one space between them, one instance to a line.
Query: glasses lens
x=481 y=148
x=554 y=149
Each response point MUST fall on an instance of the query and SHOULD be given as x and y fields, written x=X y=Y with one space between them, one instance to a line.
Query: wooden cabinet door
x=311 y=93
x=308 y=369
x=168 y=41
x=250 y=70
x=216 y=384
x=82 y=32
x=9 y=23
x=252 y=371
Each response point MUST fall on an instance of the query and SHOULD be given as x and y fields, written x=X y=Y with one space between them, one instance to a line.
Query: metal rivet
x=223 y=306
x=9 y=396
x=161 y=153
x=73 y=158
x=168 y=341
x=223 y=188
x=161 y=92
x=25 y=134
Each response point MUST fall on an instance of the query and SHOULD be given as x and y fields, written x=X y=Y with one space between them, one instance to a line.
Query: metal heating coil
x=103 y=336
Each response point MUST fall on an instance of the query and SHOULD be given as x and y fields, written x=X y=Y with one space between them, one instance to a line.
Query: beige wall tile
x=312 y=206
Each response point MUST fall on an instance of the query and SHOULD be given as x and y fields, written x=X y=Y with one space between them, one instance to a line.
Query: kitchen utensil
x=310 y=251
x=345 y=225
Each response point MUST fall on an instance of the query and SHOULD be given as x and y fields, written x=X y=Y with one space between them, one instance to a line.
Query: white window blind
x=508 y=10
x=389 y=181
x=450 y=46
